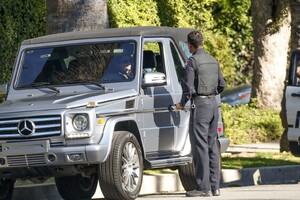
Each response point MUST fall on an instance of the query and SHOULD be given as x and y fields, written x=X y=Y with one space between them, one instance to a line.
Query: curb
x=170 y=182
x=260 y=176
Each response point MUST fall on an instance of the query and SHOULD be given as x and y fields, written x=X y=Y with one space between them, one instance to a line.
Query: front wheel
x=121 y=175
x=77 y=187
x=6 y=189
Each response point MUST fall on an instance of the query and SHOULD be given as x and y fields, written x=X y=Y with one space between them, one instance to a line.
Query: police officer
x=202 y=81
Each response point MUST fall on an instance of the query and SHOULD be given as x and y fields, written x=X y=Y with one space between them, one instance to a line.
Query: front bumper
x=39 y=154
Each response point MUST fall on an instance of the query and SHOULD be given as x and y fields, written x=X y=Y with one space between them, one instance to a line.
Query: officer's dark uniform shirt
x=188 y=84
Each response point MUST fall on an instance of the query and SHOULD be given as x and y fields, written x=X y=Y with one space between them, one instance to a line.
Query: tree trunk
x=271 y=33
x=75 y=15
x=295 y=45
x=295 y=25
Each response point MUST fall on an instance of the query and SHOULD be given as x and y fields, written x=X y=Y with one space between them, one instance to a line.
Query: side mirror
x=3 y=92
x=154 y=79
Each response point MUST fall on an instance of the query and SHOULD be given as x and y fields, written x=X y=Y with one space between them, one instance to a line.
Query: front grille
x=44 y=126
x=56 y=144
x=26 y=160
x=36 y=159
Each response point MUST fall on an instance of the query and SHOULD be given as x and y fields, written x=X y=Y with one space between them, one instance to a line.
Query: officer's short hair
x=195 y=38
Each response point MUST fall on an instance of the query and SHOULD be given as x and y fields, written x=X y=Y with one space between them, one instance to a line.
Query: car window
x=294 y=70
x=177 y=62
x=297 y=69
x=153 y=57
x=70 y=63
x=184 y=47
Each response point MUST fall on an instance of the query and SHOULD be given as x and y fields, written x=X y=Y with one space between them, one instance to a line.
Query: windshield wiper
x=41 y=85
x=89 y=82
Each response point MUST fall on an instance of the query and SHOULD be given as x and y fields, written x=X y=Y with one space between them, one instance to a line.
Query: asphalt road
x=260 y=192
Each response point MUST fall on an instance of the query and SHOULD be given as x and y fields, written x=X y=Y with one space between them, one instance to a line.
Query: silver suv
x=93 y=106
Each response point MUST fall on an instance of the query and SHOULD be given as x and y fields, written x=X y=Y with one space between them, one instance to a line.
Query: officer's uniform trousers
x=203 y=136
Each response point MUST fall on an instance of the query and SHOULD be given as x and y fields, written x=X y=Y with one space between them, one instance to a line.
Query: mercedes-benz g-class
x=92 y=106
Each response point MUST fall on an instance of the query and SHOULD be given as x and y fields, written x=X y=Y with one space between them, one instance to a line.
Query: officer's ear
x=190 y=46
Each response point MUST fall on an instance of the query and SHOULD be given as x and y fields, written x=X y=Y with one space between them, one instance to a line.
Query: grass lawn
x=250 y=160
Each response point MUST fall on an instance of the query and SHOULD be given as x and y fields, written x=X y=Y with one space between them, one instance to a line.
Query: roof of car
x=112 y=32
x=179 y=35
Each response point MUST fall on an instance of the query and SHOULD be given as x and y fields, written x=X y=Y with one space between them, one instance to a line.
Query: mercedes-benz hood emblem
x=26 y=127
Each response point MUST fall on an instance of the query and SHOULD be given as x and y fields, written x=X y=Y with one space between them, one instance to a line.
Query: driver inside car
x=125 y=68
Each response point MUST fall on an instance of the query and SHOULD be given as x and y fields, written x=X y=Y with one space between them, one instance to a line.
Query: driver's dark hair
x=195 y=38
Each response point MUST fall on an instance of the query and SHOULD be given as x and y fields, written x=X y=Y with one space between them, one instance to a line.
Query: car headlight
x=79 y=125
x=80 y=122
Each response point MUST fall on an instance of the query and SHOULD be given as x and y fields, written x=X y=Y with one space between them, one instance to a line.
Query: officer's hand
x=179 y=106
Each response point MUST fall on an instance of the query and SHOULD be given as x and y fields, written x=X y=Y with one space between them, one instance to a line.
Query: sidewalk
x=256 y=147
x=171 y=183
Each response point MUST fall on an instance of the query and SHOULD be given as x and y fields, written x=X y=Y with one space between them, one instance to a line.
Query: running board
x=169 y=162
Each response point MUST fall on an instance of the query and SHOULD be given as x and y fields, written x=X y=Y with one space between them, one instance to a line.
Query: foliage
x=233 y=20
x=186 y=13
x=219 y=47
x=170 y=13
x=127 y=13
x=249 y=124
x=19 y=20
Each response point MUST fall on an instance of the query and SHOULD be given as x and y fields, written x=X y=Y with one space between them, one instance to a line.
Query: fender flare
x=108 y=132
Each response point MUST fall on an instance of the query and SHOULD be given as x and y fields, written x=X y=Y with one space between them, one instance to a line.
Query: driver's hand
x=179 y=106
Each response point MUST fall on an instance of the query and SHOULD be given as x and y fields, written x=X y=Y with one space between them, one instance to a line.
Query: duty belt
x=204 y=96
x=195 y=96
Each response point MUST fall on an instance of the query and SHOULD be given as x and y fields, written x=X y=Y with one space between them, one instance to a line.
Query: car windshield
x=107 y=62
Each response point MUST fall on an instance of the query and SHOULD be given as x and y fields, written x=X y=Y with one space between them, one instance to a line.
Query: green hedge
x=19 y=20
x=127 y=13
x=249 y=124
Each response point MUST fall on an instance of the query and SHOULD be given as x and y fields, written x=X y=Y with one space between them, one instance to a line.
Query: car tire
x=77 y=187
x=121 y=175
x=6 y=189
x=187 y=177
x=294 y=148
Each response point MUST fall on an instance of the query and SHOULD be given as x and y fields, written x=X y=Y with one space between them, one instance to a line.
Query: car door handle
x=295 y=94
